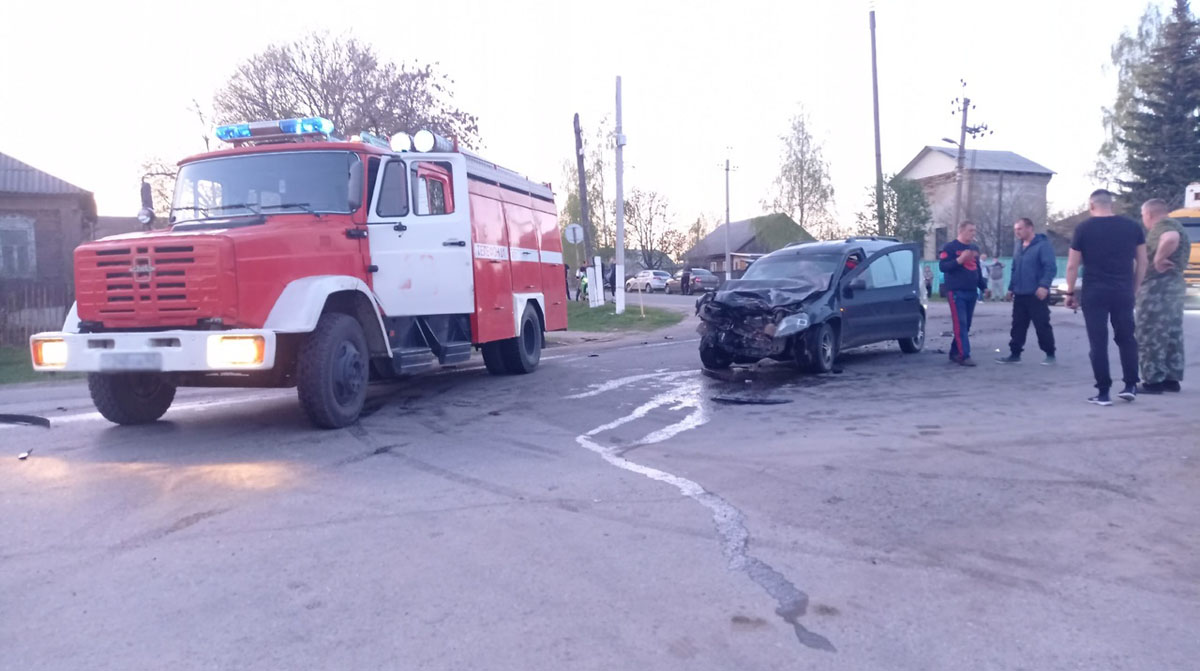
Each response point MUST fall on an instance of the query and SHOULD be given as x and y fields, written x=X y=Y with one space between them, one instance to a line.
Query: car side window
x=902 y=264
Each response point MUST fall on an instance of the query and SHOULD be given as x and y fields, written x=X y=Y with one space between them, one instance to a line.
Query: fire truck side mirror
x=356 y=186
x=146 y=214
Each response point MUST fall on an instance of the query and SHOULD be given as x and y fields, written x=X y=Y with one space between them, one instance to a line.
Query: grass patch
x=582 y=318
x=16 y=366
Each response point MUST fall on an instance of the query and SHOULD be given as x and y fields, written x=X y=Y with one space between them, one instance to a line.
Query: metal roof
x=18 y=177
x=986 y=160
x=741 y=233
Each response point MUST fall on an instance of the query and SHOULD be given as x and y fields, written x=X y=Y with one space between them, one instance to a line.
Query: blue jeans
x=962 y=309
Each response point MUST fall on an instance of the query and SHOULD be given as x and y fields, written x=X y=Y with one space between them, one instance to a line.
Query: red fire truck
x=294 y=258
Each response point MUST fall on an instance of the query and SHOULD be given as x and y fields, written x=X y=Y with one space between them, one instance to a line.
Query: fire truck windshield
x=252 y=184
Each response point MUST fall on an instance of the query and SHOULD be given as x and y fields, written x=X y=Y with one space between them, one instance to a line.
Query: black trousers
x=1028 y=309
x=1100 y=306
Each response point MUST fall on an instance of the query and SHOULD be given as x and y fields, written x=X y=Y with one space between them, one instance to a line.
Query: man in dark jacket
x=962 y=280
x=1034 y=267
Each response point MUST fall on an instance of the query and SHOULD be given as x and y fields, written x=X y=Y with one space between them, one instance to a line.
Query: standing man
x=1033 y=271
x=996 y=275
x=962 y=278
x=1112 y=250
x=928 y=272
x=685 y=281
x=1160 y=302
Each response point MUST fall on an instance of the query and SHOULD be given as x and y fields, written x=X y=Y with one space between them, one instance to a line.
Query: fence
x=27 y=307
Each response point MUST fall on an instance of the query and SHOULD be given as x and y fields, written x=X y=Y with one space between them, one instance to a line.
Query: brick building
x=42 y=220
x=998 y=188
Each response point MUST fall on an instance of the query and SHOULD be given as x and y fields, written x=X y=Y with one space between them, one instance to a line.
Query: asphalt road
x=606 y=513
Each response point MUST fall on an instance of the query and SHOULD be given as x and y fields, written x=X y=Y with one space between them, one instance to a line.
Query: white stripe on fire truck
x=516 y=254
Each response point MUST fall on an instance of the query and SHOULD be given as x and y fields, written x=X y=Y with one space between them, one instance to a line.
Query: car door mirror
x=858 y=284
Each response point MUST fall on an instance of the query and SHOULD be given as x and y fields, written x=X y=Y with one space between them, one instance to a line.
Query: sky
x=88 y=92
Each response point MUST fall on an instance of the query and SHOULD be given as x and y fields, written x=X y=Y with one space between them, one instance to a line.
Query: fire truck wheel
x=522 y=354
x=130 y=398
x=493 y=358
x=332 y=370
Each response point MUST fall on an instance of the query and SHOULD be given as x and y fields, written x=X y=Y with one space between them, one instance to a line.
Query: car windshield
x=310 y=181
x=815 y=270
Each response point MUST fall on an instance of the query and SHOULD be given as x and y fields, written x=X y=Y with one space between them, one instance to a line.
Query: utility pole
x=958 y=176
x=584 y=220
x=878 y=149
x=728 y=252
x=619 y=281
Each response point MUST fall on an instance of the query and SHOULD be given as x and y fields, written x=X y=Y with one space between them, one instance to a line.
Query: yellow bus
x=1189 y=216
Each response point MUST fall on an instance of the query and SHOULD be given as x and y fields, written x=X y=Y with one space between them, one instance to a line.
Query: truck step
x=407 y=360
x=455 y=351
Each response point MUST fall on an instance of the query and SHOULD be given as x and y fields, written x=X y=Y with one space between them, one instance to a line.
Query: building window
x=18 y=255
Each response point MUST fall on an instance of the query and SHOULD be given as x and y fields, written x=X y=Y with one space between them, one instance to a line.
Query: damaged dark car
x=808 y=302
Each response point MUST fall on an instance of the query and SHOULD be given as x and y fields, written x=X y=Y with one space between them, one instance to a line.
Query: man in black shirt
x=1112 y=251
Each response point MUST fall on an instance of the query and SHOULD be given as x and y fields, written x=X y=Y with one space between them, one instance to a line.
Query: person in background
x=610 y=276
x=580 y=282
x=567 y=279
x=996 y=275
x=685 y=282
x=1112 y=250
x=962 y=280
x=1159 y=329
x=928 y=271
x=1033 y=271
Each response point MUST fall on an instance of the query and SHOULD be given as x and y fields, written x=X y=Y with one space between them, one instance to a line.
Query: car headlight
x=50 y=353
x=792 y=324
x=235 y=351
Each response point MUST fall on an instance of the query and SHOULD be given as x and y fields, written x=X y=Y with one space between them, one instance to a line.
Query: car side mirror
x=858 y=284
x=146 y=214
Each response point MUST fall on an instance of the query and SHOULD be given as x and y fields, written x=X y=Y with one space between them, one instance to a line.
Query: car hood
x=764 y=295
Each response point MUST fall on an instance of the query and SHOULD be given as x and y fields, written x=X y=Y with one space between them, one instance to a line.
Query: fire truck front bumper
x=158 y=351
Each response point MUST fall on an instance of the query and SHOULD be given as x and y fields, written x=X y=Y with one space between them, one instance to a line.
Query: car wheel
x=667 y=290
x=714 y=358
x=914 y=344
x=822 y=349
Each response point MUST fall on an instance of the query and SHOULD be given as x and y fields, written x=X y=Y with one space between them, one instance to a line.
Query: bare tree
x=646 y=217
x=343 y=80
x=161 y=176
x=802 y=189
x=598 y=150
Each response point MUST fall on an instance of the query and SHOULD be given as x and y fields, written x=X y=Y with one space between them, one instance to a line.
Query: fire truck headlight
x=50 y=352
x=402 y=142
x=235 y=351
x=427 y=140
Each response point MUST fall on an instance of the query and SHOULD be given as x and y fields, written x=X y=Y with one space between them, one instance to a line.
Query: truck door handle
x=400 y=227
x=454 y=243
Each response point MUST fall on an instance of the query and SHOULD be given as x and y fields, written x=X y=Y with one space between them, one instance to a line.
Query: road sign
x=574 y=234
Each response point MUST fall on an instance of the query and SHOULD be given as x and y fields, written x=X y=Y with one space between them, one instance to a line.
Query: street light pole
x=619 y=271
x=878 y=149
x=728 y=252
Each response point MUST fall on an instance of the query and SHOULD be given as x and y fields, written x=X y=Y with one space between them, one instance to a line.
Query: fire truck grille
x=152 y=285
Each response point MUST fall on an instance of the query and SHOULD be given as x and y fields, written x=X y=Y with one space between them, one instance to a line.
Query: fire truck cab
x=293 y=258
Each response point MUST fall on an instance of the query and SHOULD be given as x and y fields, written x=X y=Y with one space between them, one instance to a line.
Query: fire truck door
x=419 y=230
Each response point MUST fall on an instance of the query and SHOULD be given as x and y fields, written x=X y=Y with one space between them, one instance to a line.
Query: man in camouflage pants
x=1160 y=301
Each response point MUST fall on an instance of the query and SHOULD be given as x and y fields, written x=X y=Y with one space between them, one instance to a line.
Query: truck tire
x=493 y=358
x=714 y=358
x=914 y=344
x=822 y=349
x=332 y=368
x=130 y=398
x=522 y=353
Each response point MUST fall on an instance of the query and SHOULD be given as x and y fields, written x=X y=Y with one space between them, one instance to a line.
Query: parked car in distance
x=808 y=302
x=701 y=279
x=648 y=281
x=1058 y=291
